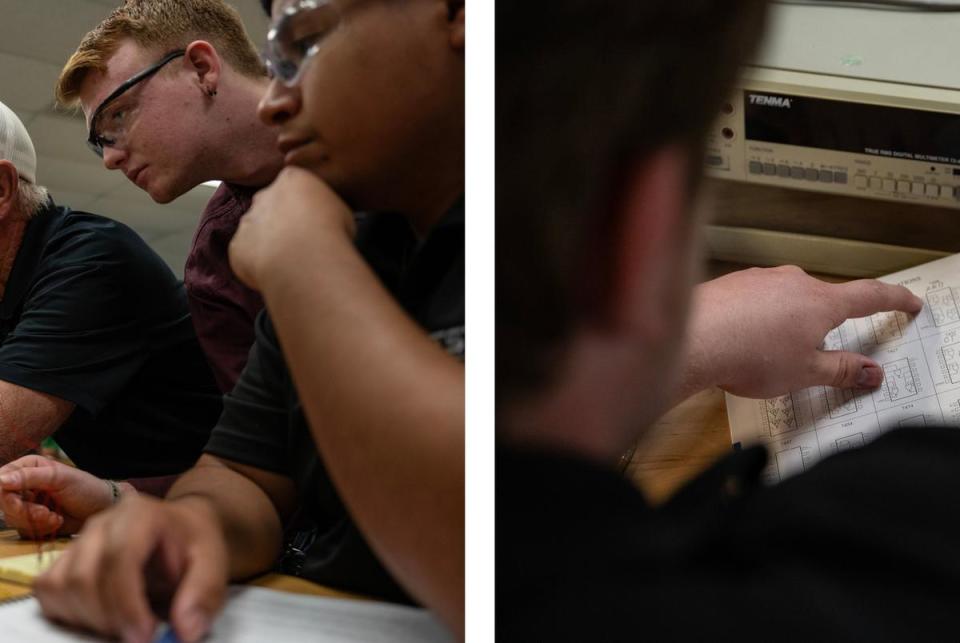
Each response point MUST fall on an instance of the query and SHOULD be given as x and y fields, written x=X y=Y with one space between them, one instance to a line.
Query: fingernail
x=7 y=478
x=869 y=377
x=194 y=625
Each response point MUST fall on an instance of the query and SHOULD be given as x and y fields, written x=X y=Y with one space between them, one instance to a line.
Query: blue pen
x=167 y=635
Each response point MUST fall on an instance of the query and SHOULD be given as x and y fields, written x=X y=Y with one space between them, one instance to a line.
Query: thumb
x=843 y=369
x=46 y=478
x=200 y=594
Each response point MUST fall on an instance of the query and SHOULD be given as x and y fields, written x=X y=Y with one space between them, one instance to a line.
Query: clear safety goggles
x=296 y=36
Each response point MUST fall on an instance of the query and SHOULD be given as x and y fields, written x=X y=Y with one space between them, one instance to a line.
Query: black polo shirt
x=263 y=424
x=93 y=316
x=864 y=546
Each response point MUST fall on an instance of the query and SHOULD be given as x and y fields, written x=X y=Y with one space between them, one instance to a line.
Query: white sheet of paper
x=920 y=357
x=255 y=615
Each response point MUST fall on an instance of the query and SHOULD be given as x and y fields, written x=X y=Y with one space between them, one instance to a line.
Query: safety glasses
x=297 y=35
x=110 y=121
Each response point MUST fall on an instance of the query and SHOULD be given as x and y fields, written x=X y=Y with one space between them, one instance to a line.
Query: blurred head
x=158 y=130
x=376 y=101
x=602 y=112
x=20 y=196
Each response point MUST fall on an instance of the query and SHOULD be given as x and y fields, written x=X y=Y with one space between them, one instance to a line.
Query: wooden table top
x=12 y=545
x=682 y=444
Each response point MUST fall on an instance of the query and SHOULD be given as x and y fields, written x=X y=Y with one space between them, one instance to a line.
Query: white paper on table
x=920 y=357
x=255 y=615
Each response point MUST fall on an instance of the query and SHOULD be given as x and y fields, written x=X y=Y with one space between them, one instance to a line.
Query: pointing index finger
x=865 y=297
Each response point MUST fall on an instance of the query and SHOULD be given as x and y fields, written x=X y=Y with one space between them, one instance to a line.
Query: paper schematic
x=255 y=615
x=920 y=357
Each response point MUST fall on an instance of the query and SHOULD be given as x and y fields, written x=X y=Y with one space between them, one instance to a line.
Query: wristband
x=114 y=491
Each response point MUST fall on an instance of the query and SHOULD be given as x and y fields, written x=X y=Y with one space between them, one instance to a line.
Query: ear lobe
x=203 y=61
x=9 y=186
x=456 y=11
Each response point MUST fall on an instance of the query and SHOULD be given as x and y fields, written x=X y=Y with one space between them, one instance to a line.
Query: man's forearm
x=248 y=519
x=386 y=409
x=26 y=418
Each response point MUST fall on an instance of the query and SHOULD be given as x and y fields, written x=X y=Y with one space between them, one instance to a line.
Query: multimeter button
x=811 y=174
x=933 y=190
x=860 y=181
x=946 y=191
x=770 y=168
x=783 y=171
x=796 y=173
x=875 y=183
x=756 y=167
x=889 y=185
x=917 y=189
x=826 y=176
x=903 y=187
x=839 y=177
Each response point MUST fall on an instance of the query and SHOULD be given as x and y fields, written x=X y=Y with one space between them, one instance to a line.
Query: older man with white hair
x=96 y=344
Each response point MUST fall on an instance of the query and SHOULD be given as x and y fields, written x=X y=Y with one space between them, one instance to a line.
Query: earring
x=211 y=93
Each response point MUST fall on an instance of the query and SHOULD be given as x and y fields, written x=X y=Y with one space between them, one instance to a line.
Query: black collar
x=39 y=228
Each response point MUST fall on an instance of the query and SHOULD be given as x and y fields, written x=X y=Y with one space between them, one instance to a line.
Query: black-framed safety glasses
x=109 y=134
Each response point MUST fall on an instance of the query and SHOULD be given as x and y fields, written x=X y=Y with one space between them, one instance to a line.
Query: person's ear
x=456 y=12
x=9 y=187
x=650 y=275
x=204 y=63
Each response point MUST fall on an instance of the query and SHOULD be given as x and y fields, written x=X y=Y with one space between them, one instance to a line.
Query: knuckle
x=81 y=583
x=842 y=372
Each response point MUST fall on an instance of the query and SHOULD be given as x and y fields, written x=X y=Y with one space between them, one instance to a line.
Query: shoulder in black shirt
x=93 y=316
x=864 y=546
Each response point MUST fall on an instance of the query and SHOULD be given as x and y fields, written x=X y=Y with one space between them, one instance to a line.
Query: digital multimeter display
x=879 y=130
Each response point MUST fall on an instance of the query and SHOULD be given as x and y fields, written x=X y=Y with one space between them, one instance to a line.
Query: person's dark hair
x=586 y=89
x=267 y=4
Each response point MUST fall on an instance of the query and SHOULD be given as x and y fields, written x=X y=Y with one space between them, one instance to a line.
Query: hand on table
x=42 y=497
x=758 y=332
x=286 y=223
x=141 y=552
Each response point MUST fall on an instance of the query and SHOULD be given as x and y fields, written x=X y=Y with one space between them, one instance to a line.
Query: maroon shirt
x=223 y=309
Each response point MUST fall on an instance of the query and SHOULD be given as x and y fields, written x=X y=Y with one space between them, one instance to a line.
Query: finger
x=40 y=526
x=47 y=478
x=34 y=514
x=843 y=369
x=50 y=588
x=29 y=519
x=202 y=591
x=865 y=297
x=55 y=522
x=16 y=511
x=129 y=546
x=12 y=504
x=68 y=591
x=25 y=461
